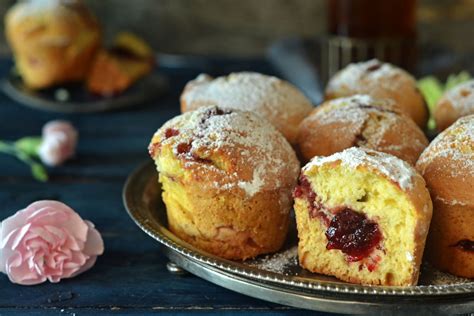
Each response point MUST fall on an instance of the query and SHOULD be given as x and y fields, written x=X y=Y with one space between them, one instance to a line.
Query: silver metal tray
x=278 y=278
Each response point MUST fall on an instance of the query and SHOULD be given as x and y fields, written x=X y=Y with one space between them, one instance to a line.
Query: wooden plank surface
x=131 y=277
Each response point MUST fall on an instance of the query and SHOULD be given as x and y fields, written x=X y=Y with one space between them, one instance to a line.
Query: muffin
x=227 y=178
x=448 y=168
x=362 y=216
x=455 y=103
x=381 y=81
x=360 y=121
x=53 y=41
x=278 y=101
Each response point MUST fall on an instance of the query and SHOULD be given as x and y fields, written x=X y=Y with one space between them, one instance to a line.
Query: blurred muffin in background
x=277 y=100
x=454 y=104
x=53 y=41
x=382 y=81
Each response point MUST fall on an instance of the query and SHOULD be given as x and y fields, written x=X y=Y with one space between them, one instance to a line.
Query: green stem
x=37 y=169
x=7 y=148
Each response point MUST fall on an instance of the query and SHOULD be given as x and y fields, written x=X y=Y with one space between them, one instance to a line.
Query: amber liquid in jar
x=364 y=29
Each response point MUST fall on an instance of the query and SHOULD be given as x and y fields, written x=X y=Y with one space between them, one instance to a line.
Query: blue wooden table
x=131 y=277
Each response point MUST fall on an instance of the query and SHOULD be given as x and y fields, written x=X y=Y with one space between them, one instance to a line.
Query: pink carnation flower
x=59 y=142
x=47 y=240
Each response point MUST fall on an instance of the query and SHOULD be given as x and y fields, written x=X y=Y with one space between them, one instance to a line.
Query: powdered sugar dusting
x=455 y=143
x=248 y=91
x=432 y=276
x=238 y=149
x=451 y=202
x=274 y=99
x=372 y=71
x=356 y=111
x=390 y=166
x=254 y=186
x=461 y=98
x=345 y=110
x=278 y=262
x=370 y=119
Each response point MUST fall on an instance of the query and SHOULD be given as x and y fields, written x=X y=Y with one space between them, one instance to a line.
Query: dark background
x=246 y=27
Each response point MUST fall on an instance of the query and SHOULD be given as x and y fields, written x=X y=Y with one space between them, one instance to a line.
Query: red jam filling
x=354 y=234
x=170 y=132
x=349 y=231
x=465 y=244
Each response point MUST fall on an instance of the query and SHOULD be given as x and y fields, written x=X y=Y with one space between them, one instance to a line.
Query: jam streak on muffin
x=303 y=190
x=170 y=132
x=354 y=234
x=465 y=244
x=184 y=151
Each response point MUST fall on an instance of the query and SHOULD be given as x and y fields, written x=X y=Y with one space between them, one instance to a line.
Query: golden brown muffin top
x=228 y=149
x=461 y=98
x=453 y=149
x=353 y=109
x=352 y=76
x=370 y=117
x=272 y=98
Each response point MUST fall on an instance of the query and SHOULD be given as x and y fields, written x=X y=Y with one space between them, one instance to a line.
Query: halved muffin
x=362 y=216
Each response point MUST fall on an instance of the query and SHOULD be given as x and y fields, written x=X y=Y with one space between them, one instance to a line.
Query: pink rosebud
x=59 y=142
x=47 y=240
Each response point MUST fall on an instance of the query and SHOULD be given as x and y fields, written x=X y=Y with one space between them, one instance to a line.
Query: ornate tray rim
x=137 y=182
x=334 y=303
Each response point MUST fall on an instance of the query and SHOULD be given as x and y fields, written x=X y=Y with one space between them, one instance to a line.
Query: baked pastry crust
x=381 y=81
x=448 y=168
x=53 y=41
x=455 y=103
x=227 y=179
x=386 y=191
x=360 y=121
x=278 y=101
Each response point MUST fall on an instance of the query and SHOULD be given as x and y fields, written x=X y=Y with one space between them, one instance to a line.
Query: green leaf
x=29 y=145
x=25 y=149
x=454 y=80
x=39 y=172
x=432 y=90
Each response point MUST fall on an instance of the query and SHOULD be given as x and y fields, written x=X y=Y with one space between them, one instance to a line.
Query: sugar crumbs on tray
x=278 y=262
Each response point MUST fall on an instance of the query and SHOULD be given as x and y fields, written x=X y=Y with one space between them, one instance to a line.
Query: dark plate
x=74 y=98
